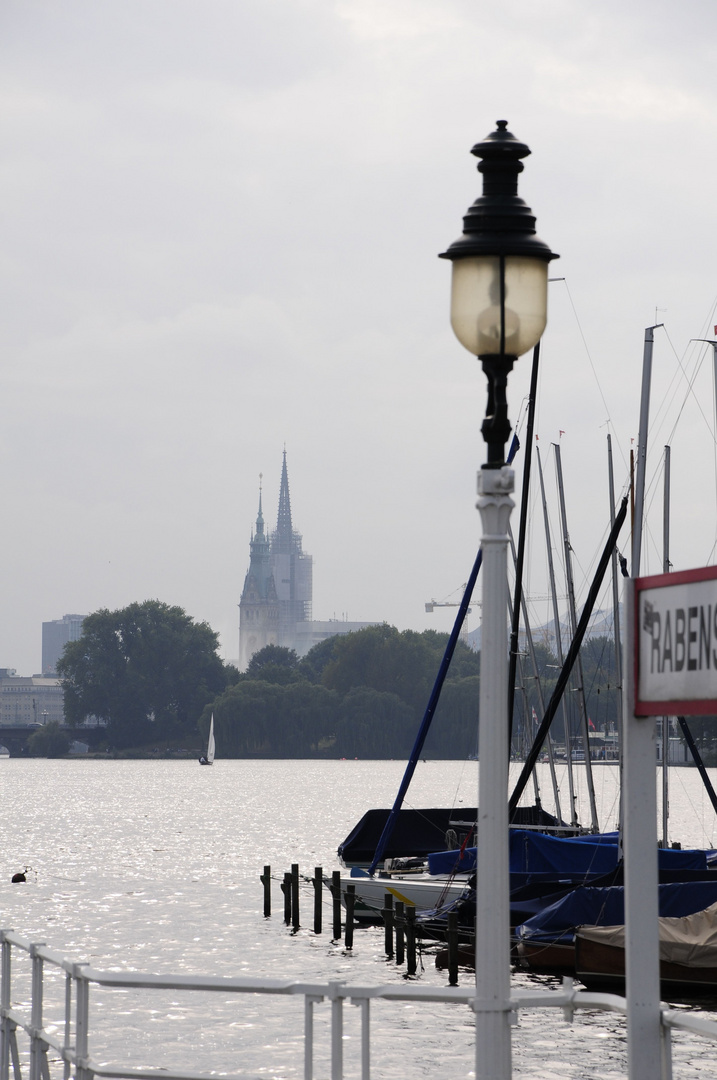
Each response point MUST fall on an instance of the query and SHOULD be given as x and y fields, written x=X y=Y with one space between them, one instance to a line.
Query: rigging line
x=714 y=450
x=660 y=414
x=710 y=320
x=690 y=393
x=590 y=361
x=670 y=391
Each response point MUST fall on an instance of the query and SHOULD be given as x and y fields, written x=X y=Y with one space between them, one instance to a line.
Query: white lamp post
x=498 y=312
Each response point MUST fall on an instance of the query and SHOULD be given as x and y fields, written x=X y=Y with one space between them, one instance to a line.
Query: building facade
x=55 y=636
x=30 y=700
x=276 y=602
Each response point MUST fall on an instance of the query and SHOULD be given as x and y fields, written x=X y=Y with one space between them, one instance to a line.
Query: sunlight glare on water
x=154 y=866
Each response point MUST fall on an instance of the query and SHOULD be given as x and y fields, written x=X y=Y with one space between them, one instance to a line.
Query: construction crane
x=447 y=603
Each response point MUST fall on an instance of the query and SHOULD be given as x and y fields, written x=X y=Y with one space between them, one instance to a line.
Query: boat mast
x=573 y=626
x=642 y=450
x=665 y=719
x=539 y=690
x=518 y=592
x=524 y=743
x=573 y=651
x=616 y=617
x=558 y=646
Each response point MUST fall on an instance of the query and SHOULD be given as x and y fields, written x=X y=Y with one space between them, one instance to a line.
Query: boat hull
x=602 y=967
x=420 y=892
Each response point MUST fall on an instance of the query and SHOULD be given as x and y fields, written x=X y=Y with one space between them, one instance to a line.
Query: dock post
x=452 y=942
x=318 y=889
x=336 y=893
x=411 y=940
x=350 y=901
x=295 y=896
x=400 y=923
x=286 y=889
x=387 y=914
x=265 y=879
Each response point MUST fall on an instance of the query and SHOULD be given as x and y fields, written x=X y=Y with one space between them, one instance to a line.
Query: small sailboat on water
x=208 y=758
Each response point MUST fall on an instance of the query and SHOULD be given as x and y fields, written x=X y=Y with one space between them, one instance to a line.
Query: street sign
x=675 y=645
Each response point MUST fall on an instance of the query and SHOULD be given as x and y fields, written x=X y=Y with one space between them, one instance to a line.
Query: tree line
x=150 y=674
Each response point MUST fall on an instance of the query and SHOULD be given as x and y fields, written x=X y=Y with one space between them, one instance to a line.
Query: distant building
x=30 y=700
x=275 y=606
x=55 y=636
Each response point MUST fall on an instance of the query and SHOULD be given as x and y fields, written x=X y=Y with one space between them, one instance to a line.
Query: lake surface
x=154 y=866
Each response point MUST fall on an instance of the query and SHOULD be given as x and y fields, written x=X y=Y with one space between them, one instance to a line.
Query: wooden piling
x=452 y=940
x=295 y=896
x=286 y=889
x=387 y=914
x=318 y=897
x=265 y=879
x=400 y=924
x=336 y=894
x=411 y=940
x=349 y=929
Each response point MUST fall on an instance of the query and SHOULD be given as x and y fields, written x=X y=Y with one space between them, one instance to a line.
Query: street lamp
x=499 y=292
x=498 y=312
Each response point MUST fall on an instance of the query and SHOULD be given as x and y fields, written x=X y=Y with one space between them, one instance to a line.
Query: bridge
x=15 y=736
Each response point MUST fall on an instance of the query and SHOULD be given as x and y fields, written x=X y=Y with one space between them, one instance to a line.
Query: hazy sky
x=220 y=223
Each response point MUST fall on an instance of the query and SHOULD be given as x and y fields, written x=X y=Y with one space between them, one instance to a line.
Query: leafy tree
x=48 y=741
x=384 y=659
x=374 y=724
x=454 y=732
x=274 y=664
x=271 y=656
x=147 y=670
x=262 y=719
x=313 y=665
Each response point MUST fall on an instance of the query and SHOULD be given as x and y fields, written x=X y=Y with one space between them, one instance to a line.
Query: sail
x=210 y=744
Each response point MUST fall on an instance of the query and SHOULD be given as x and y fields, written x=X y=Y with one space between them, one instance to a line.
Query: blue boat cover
x=533 y=852
x=587 y=906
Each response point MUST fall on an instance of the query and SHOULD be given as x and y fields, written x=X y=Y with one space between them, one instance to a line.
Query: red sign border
x=670 y=707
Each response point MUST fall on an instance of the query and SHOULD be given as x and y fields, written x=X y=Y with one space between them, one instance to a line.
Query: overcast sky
x=220 y=223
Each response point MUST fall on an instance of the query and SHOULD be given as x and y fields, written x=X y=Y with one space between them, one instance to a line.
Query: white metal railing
x=72 y=1049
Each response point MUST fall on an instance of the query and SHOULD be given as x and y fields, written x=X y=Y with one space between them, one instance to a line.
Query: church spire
x=260 y=516
x=284 y=530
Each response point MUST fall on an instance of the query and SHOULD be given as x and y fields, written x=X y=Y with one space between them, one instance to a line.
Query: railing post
x=82 y=1023
x=37 y=1046
x=337 y=1030
x=665 y=1050
x=309 y=1001
x=365 y=1006
x=68 y=1024
x=5 y=1001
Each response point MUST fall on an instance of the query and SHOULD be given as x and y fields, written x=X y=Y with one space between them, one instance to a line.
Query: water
x=154 y=867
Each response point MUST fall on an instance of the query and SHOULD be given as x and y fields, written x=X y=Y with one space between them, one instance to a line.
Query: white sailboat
x=208 y=758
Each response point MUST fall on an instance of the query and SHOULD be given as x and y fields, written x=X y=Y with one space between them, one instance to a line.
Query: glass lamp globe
x=499 y=305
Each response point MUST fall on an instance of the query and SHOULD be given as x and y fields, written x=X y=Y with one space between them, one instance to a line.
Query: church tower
x=275 y=607
x=292 y=569
x=259 y=605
